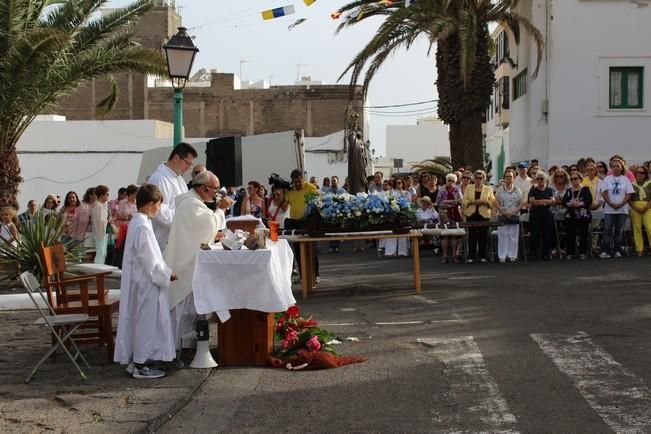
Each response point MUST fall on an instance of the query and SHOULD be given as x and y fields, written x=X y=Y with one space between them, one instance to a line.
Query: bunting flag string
x=278 y=12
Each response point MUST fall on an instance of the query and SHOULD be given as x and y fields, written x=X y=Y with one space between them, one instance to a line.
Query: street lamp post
x=180 y=52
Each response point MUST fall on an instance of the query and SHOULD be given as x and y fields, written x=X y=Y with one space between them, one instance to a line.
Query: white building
x=57 y=156
x=592 y=95
x=428 y=139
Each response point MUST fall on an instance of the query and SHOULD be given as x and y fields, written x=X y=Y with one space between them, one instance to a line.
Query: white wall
x=57 y=157
x=105 y=136
x=585 y=39
x=414 y=143
x=326 y=156
x=590 y=37
x=323 y=165
x=528 y=125
x=265 y=154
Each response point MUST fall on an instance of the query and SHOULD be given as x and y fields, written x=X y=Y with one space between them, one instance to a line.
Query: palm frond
x=46 y=53
x=105 y=106
x=513 y=21
x=23 y=255
x=468 y=36
x=439 y=166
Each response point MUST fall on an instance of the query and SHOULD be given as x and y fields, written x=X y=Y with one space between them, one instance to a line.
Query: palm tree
x=439 y=166
x=459 y=28
x=48 y=48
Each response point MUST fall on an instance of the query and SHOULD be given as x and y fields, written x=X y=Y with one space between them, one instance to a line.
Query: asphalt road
x=526 y=347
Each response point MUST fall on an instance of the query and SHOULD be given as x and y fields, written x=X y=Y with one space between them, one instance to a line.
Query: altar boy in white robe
x=144 y=325
x=194 y=224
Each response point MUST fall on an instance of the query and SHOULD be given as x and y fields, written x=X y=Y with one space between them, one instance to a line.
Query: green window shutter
x=626 y=87
x=520 y=84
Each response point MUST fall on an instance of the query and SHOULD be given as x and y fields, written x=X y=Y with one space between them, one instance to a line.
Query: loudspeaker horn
x=202 y=358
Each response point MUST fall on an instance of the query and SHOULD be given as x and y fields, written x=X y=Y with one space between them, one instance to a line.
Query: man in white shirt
x=522 y=181
x=168 y=177
x=377 y=186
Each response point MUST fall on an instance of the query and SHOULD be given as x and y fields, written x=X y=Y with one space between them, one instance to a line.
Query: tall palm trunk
x=462 y=105
x=467 y=142
x=10 y=177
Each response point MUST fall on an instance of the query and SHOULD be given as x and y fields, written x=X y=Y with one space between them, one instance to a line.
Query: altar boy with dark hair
x=144 y=326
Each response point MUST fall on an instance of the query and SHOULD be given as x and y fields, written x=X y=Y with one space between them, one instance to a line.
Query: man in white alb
x=168 y=177
x=194 y=224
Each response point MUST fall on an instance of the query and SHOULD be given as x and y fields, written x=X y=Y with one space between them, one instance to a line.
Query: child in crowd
x=144 y=326
x=8 y=231
x=426 y=213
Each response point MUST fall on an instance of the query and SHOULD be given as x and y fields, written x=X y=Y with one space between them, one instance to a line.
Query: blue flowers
x=359 y=210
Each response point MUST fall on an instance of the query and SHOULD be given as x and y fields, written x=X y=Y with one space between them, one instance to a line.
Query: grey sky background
x=228 y=32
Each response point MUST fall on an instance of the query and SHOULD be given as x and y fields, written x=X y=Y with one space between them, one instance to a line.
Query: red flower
x=291 y=336
x=284 y=344
x=309 y=323
x=313 y=344
x=293 y=311
x=279 y=324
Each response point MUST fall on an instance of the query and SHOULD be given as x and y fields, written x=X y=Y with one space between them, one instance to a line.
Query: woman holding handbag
x=448 y=201
x=508 y=202
x=577 y=201
x=477 y=203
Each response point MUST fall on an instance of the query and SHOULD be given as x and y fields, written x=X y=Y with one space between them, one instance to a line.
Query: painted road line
x=400 y=323
x=472 y=388
x=619 y=397
x=348 y=324
x=480 y=276
x=390 y=323
x=425 y=300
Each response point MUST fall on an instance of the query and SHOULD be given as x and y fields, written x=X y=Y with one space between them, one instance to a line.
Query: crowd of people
x=153 y=231
x=569 y=211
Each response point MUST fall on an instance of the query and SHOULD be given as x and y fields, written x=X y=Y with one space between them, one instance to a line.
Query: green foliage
x=436 y=20
x=48 y=48
x=25 y=254
x=294 y=333
x=465 y=77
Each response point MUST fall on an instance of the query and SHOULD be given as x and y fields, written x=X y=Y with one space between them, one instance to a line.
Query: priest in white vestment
x=194 y=224
x=144 y=325
x=168 y=177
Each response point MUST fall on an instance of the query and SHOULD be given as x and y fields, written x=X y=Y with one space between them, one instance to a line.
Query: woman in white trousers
x=508 y=202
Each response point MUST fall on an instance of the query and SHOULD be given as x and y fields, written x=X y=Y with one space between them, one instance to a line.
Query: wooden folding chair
x=96 y=304
x=62 y=327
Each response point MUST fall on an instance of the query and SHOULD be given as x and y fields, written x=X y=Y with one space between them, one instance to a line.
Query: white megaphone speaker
x=202 y=358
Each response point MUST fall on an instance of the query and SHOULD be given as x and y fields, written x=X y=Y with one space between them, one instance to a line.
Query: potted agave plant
x=24 y=254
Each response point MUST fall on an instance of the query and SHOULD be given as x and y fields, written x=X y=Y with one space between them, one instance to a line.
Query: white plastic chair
x=61 y=326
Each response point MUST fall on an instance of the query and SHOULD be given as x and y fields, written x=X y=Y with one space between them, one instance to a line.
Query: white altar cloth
x=243 y=279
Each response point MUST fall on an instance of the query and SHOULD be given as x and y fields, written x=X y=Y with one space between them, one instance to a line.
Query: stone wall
x=218 y=110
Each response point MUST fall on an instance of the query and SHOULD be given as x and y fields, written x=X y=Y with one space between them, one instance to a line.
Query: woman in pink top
x=127 y=207
x=82 y=216
x=68 y=213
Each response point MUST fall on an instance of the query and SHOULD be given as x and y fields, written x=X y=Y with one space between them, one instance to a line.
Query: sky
x=230 y=32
